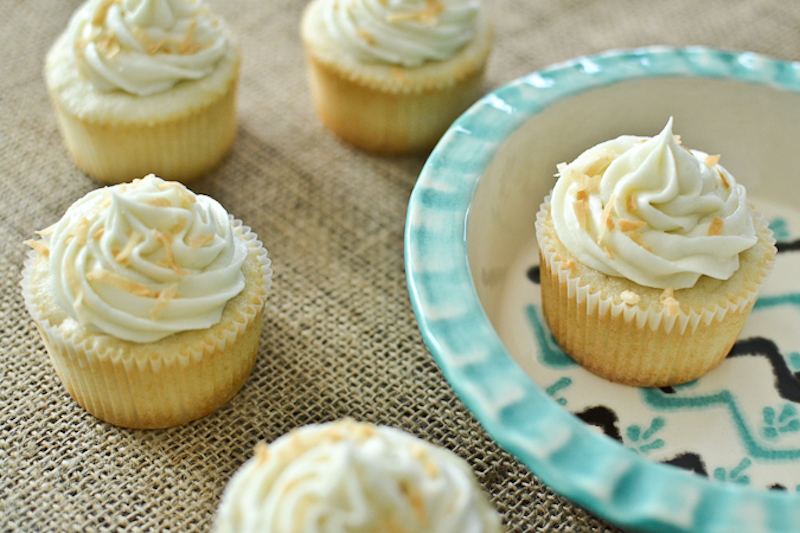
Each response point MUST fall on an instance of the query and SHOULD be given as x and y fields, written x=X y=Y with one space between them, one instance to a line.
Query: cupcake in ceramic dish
x=651 y=260
x=150 y=301
x=390 y=76
x=143 y=86
x=351 y=477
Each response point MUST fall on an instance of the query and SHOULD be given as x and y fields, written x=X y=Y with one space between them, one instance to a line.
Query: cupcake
x=350 y=477
x=390 y=76
x=150 y=301
x=144 y=86
x=651 y=260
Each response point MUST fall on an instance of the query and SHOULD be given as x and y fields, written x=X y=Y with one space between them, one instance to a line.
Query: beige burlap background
x=340 y=337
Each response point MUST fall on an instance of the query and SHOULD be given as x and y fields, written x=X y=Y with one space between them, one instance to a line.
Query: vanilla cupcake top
x=143 y=260
x=401 y=32
x=652 y=211
x=349 y=477
x=145 y=47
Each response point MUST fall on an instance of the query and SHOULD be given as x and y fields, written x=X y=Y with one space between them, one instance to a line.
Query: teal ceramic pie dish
x=720 y=454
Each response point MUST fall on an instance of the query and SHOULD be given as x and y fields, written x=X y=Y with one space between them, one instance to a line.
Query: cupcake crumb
x=669 y=301
x=629 y=297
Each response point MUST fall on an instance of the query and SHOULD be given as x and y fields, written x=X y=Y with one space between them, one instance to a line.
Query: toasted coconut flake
x=582 y=195
x=414 y=497
x=81 y=230
x=98 y=233
x=119 y=282
x=630 y=225
x=428 y=16
x=677 y=139
x=163 y=298
x=711 y=160
x=561 y=167
x=39 y=246
x=587 y=183
x=418 y=453
x=113 y=49
x=187 y=198
x=629 y=297
x=101 y=12
x=159 y=202
x=608 y=252
x=170 y=259
x=581 y=208
x=367 y=36
x=156 y=46
x=636 y=237
x=262 y=453
x=188 y=46
x=179 y=227
x=198 y=241
x=630 y=204
x=599 y=165
x=716 y=227
x=123 y=256
x=724 y=181
x=606 y=224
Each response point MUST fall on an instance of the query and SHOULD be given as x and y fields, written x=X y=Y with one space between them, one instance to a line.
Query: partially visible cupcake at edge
x=390 y=76
x=143 y=86
x=354 y=477
x=651 y=260
x=150 y=301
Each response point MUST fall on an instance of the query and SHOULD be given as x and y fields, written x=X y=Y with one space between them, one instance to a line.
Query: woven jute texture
x=340 y=337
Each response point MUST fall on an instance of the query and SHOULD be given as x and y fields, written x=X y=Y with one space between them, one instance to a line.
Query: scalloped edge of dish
x=589 y=469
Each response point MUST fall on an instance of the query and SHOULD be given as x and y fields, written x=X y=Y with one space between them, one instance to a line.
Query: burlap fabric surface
x=340 y=337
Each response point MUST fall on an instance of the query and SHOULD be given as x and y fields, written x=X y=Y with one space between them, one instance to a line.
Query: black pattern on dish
x=788 y=246
x=689 y=461
x=787 y=383
x=603 y=418
x=533 y=274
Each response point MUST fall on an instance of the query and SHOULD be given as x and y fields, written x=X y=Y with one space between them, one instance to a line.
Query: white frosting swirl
x=145 y=47
x=146 y=259
x=651 y=211
x=348 y=477
x=401 y=32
